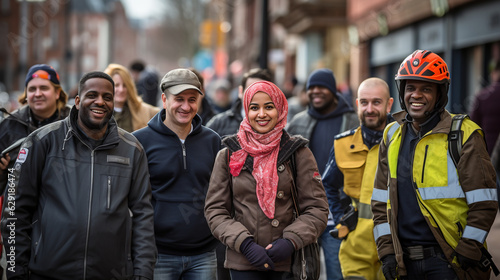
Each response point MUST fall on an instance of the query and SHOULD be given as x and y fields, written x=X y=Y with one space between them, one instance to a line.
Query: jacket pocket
x=110 y=194
x=423 y=164
x=352 y=170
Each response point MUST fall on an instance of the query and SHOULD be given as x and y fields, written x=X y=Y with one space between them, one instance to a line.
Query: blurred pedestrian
x=431 y=217
x=221 y=97
x=249 y=206
x=181 y=154
x=485 y=110
x=351 y=168
x=204 y=108
x=328 y=115
x=228 y=123
x=130 y=112
x=82 y=197
x=146 y=81
x=298 y=101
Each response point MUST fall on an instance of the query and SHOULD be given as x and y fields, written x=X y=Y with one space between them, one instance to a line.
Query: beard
x=373 y=124
x=87 y=121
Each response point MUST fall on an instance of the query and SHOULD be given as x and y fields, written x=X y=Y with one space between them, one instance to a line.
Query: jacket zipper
x=460 y=229
x=92 y=156
x=423 y=165
x=184 y=156
x=108 y=201
x=419 y=200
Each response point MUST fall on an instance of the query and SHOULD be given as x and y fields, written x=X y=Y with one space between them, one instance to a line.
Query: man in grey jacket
x=78 y=199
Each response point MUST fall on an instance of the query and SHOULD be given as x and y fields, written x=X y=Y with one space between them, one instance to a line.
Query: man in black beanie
x=328 y=115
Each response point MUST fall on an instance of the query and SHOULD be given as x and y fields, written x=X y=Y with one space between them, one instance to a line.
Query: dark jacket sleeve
x=21 y=202
x=333 y=182
x=143 y=242
x=379 y=203
x=476 y=172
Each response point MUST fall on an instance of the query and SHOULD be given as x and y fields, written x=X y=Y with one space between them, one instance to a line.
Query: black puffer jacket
x=77 y=212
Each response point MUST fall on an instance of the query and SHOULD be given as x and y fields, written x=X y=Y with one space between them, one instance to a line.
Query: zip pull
x=108 y=201
x=184 y=155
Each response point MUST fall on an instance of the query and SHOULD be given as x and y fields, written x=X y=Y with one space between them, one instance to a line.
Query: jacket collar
x=156 y=123
x=111 y=137
x=236 y=109
x=443 y=126
x=288 y=145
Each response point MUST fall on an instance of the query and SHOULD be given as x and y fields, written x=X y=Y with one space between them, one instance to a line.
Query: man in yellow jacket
x=351 y=167
x=432 y=216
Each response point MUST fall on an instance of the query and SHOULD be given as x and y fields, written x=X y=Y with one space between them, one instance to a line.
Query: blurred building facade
x=355 y=38
x=466 y=33
x=362 y=38
x=74 y=36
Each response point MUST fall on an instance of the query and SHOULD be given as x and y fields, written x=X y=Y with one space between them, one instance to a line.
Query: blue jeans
x=197 y=267
x=331 y=247
x=435 y=267
x=260 y=275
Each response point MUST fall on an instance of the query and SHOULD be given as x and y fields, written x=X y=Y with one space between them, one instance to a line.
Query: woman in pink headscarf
x=249 y=205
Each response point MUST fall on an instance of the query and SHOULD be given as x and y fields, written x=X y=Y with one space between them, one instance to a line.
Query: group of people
x=113 y=188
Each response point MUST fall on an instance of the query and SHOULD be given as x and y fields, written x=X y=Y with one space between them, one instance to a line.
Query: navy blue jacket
x=180 y=174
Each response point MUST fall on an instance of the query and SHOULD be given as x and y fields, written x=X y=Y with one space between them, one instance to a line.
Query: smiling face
x=180 y=109
x=322 y=99
x=262 y=113
x=374 y=103
x=95 y=107
x=420 y=98
x=42 y=98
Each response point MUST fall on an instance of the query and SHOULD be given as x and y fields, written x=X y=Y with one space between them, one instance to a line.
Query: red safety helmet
x=425 y=66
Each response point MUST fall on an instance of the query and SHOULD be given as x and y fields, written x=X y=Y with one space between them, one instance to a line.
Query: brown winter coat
x=233 y=220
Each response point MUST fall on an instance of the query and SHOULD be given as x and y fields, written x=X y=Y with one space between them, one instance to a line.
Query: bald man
x=351 y=170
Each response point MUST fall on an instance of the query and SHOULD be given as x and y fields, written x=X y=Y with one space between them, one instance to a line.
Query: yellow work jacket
x=358 y=252
x=350 y=156
x=458 y=212
x=439 y=193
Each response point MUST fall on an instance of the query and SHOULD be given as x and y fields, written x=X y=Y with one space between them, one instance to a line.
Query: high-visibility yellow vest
x=438 y=189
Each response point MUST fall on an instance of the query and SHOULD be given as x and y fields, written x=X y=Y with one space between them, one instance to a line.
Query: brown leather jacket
x=233 y=212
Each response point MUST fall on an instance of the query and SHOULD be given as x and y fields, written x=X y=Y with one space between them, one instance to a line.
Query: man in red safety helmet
x=432 y=215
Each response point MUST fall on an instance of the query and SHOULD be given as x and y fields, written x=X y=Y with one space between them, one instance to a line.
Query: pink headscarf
x=263 y=148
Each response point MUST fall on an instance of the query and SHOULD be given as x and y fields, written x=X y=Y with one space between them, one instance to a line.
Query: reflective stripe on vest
x=475 y=234
x=380 y=195
x=481 y=195
x=381 y=230
x=365 y=211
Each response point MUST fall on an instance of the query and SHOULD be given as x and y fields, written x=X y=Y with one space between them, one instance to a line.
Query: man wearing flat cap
x=181 y=153
x=44 y=102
